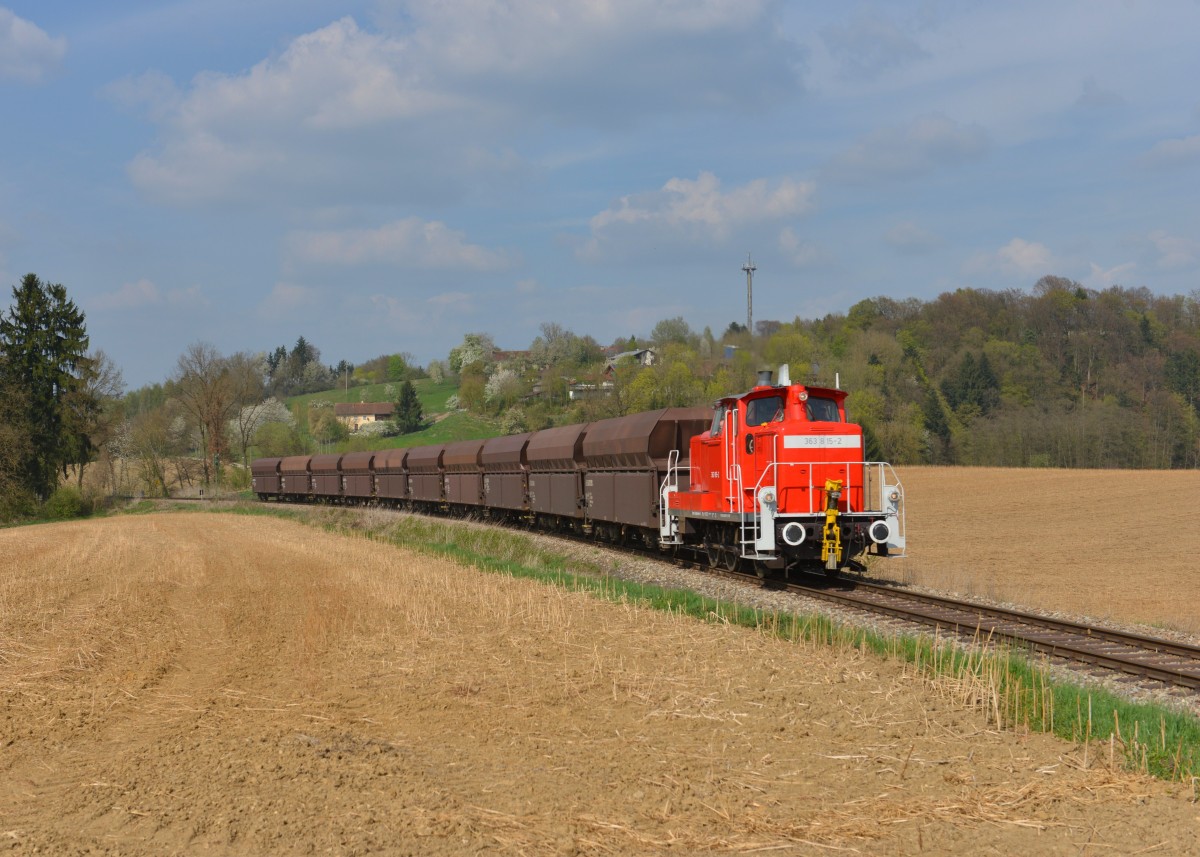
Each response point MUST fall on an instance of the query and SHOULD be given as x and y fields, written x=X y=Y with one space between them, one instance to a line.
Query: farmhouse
x=355 y=414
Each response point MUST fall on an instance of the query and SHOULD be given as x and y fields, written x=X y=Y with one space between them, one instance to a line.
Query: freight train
x=771 y=480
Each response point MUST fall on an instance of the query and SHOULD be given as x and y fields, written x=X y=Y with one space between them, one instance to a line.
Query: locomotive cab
x=781 y=473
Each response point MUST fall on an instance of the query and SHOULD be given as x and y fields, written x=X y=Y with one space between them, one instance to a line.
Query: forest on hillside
x=1061 y=376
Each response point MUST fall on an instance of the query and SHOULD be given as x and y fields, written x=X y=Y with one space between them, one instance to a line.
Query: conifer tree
x=408 y=409
x=44 y=343
x=16 y=445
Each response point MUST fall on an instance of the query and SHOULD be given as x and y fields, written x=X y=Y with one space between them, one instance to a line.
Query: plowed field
x=1121 y=545
x=215 y=684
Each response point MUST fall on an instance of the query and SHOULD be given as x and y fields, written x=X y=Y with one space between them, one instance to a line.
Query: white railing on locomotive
x=738 y=487
x=875 y=484
x=670 y=485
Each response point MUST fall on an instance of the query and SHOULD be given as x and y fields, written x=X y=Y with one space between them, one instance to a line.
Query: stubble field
x=220 y=684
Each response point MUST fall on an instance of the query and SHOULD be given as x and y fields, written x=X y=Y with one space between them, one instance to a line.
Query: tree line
x=64 y=412
x=1060 y=376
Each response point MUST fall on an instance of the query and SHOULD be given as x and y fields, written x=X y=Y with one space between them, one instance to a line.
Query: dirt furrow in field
x=223 y=684
x=1110 y=544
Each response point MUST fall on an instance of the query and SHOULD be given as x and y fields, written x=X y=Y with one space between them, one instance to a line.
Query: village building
x=642 y=356
x=354 y=414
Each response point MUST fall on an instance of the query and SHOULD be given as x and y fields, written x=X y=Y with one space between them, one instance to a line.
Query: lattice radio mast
x=749 y=268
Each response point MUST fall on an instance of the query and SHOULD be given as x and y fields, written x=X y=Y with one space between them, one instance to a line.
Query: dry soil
x=1112 y=544
x=215 y=684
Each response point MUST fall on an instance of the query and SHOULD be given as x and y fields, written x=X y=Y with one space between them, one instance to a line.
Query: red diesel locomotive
x=770 y=480
x=779 y=478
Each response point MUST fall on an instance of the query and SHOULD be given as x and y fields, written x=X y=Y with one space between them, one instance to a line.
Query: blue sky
x=386 y=176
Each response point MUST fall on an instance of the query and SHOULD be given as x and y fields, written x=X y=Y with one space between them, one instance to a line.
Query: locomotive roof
x=811 y=389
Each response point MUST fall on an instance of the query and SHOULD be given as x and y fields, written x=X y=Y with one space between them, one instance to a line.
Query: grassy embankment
x=441 y=424
x=1013 y=692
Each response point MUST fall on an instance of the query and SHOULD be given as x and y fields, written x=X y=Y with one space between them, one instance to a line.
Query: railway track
x=1134 y=655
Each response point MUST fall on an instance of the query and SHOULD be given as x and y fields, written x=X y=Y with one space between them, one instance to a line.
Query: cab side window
x=718 y=421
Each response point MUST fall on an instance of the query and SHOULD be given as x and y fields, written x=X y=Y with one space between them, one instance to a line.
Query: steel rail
x=1128 y=638
x=1073 y=641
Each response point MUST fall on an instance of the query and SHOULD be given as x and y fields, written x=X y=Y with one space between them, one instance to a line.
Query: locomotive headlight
x=880 y=532
x=894 y=496
x=768 y=497
x=793 y=533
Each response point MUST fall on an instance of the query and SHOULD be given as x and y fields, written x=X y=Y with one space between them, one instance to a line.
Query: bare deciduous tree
x=210 y=389
x=101 y=385
x=247 y=381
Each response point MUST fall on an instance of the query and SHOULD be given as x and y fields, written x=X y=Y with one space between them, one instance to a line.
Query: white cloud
x=392 y=312
x=910 y=238
x=1174 y=252
x=1100 y=278
x=920 y=147
x=1018 y=256
x=407 y=243
x=192 y=297
x=144 y=293
x=1027 y=257
x=801 y=253
x=694 y=210
x=1180 y=152
x=286 y=298
x=129 y=296
x=289 y=122
x=454 y=303
x=344 y=114
x=605 y=62
x=27 y=53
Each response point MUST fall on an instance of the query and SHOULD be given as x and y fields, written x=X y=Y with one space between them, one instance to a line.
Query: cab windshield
x=759 y=411
x=821 y=410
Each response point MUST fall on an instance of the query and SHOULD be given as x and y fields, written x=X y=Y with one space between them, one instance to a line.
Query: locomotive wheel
x=712 y=553
x=760 y=568
x=730 y=559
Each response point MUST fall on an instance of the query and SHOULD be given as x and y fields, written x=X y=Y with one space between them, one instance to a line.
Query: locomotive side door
x=764 y=457
x=763 y=416
x=708 y=458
